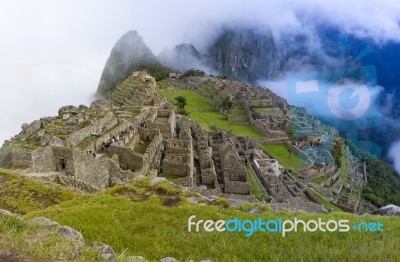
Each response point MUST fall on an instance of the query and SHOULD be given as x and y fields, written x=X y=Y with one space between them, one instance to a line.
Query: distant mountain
x=250 y=54
x=181 y=58
x=245 y=54
x=129 y=53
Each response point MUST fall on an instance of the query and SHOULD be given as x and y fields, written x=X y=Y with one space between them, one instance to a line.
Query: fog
x=53 y=52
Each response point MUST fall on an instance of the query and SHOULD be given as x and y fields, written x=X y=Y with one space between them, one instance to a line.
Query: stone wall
x=178 y=158
x=167 y=128
x=95 y=172
x=234 y=172
x=116 y=131
x=43 y=160
x=177 y=165
x=22 y=158
x=64 y=159
x=236 y=187
x=276 y=134
x=98 y=127
x=128 y=159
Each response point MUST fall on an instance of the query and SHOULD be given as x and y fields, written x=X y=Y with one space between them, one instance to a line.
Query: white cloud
x=394 y=155
x=53 y=52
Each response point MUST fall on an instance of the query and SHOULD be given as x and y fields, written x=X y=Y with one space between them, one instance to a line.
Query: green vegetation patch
x=23 y=242
x=319 y=180
x=281 y=153
x=22 y=195
x=200 y=109
x=154 y=230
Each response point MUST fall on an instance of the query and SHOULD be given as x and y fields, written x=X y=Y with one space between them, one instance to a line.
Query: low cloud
x=394 y=155
x=53 y=52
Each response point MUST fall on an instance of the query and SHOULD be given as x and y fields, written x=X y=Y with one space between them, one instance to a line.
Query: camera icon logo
x=345 y=98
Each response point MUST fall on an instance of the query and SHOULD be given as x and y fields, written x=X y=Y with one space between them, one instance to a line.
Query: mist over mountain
x=254 y=55
x=245 y=54
x=183 y=57
x=128 y=53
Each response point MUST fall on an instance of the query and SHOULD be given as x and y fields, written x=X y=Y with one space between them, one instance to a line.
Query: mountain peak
x=128 y=53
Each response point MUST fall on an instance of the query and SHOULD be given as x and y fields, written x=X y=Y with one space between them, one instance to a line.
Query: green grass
x=344 y=162
x=319 y=180
x=153 y=230
x=327 y=205
x=198 y=104
x=257 y=188
x=135 y=222
x=280 y=152
x=35 y=243
x=22 y=195
x=141 y=148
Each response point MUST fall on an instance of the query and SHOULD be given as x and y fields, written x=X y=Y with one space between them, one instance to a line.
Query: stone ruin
x=115 y=140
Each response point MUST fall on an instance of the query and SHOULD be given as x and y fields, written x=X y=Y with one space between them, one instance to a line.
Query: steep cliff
x=129 y=53
x=244 y=54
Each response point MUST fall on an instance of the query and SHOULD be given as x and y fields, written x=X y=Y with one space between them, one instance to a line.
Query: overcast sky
x=52 y=52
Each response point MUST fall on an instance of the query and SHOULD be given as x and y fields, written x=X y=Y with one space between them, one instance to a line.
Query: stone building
x=234 y=173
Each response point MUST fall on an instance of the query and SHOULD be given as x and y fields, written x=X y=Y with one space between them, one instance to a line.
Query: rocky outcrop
x=42 y=221
x=390 y=210
x=181 y=58
x=69 y=233
x=129 y=53
x=6 y=213
x=244 y=54
x=105 y=251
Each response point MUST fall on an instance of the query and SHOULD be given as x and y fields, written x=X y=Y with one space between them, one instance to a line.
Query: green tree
x=181 y=103
x=225 y=105
x=193 y=72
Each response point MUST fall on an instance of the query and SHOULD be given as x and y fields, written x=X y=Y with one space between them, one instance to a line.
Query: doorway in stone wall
x=62 y=164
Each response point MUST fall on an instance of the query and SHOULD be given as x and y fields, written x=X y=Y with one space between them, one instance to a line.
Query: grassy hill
x=151 y=221
x=200 y=109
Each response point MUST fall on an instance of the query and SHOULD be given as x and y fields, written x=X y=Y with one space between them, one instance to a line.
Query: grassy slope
x=134 y=223
x=197 y=104
x=150 y=229
x=27 y=242
x=280 y=153
x=22 y=195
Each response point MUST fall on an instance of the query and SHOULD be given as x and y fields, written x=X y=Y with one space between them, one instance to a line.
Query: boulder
x=42 y=221
x=68 y=109
x=193 y=200
x=156 y=180
x=203 y=187
x=6 y=213
x=69 y=233
x=390 y=210
x=101 y=104
x=168 y=259
x=255 y=210
x=33 y=127
x=105 y=252
x=236 y=201
x=136 y=259
x=66 y=116
x=52 y=141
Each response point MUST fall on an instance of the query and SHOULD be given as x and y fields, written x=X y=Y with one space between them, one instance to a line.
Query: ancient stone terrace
x=164 y=120
x=138 y=153
x=178 y=159
x=139 y=89
x=280 y=184
x=247 y=92
x=234 y=173
x=270 y=129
